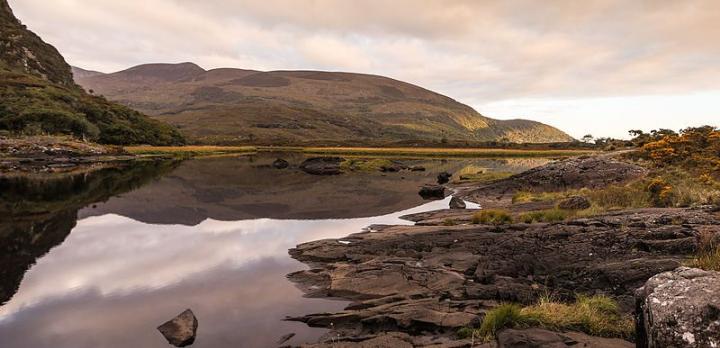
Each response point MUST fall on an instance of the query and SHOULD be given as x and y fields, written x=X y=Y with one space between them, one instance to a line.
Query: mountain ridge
x=289 y=107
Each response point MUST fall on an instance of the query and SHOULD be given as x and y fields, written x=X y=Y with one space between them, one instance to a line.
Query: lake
x=100 y=258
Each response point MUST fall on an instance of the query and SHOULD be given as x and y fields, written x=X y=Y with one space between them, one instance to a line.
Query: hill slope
x=38 y=95
x=225 y=106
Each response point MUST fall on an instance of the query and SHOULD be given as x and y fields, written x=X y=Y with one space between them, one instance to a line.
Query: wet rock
x=322 y=165
x=680 y=308
x=280 y=164
x=181 y=330
x=392 y=168
x=443 y=178
x=574 y=203
x=417 y=168
x=432 y=192
x=457 y=203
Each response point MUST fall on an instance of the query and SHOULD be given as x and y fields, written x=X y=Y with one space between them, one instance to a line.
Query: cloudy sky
x=599 y=67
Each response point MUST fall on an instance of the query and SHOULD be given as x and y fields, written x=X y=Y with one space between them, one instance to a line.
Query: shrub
x=503 y=316
x=449 y=222
x=708 y=257
x=550 y=215
x=492 y=217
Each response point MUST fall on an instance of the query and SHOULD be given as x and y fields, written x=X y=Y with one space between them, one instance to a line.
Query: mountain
x=79 y=73
x=38 y=95
x=231 y=106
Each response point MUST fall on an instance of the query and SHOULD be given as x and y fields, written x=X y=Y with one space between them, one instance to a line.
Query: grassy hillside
x=38 y=96
x=234 y=106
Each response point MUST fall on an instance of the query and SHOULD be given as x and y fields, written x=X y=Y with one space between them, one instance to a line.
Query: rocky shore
x=416 y=286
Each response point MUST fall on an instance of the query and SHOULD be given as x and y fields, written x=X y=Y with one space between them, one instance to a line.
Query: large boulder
x=680 y=308
x=541 y=338
x=322 y=165
x=443 y=178
x=457 y=203
x=574 y=203
x=432 y=192
x=280 y=163
x=181 y=330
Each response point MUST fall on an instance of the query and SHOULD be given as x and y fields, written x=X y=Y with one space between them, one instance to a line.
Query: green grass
x=595 y=315
x=492 y=217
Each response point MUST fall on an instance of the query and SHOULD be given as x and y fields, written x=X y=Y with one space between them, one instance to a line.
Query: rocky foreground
x=415 y=286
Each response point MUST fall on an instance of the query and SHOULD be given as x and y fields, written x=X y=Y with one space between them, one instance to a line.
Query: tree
x=587 y=138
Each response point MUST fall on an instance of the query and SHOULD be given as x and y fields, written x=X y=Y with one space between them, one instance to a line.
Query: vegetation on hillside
x=38 y=96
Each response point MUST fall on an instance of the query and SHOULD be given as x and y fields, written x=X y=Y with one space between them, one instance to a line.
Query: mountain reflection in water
x=208 y=234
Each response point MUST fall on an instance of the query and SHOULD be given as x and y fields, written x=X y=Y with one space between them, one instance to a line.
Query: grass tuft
x=492 y=217
x=595 y=315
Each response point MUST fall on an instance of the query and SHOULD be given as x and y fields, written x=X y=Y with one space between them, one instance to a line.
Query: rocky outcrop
x=574 y=203
x=574 y=173
x=181 y=330
x=680 y=308
x=435 y=279
x=541 y=338
x=322 y=165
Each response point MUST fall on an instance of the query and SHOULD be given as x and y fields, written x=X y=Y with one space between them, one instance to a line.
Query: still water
x=101 y=258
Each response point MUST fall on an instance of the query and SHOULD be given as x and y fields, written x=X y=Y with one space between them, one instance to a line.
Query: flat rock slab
x=541 y=338
x=680 y=308
x=181 y=330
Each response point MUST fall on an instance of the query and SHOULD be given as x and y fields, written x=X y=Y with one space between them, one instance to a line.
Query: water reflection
x=210 y=234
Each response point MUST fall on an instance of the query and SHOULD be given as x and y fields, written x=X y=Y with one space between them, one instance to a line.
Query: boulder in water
x=443 y=178
x=181 y=330
x=322 y=165
x=280 y=164
x=457 y=203
x=432 y=192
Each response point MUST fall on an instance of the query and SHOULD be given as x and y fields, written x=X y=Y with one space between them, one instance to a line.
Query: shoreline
x=421 y=285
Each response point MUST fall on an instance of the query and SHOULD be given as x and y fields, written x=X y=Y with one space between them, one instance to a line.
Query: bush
x=550 y=215
x=492 y=217
x=708 y=257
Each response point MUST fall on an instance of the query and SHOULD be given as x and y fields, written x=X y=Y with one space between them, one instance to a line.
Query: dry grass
x=549 y=215
x=492 y=217
x=708 y=256
x=355 y=164
x=188 y=150
x=596 y=315
x=436 y=152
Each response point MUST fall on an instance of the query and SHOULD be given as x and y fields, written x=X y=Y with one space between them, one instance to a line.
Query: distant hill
x=82 y=73
x=38 y=95
x=230 y=106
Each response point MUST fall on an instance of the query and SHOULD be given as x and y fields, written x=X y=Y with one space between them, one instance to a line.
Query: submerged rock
x=322 y=165
x=680 y=308
x=457 y=203
x=432 y=192
x=280 y=164
x=443 y=178
x=181 y=330
x=417 y=168
x=574 y=203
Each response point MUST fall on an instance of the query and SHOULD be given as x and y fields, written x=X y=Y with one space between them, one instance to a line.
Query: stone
x=457 y=203
x=574 y=203
x=181 y=330
x=322 y=165
x=443 y=178
x=280 y=164
x=417 y=168
x=541 y=338
x=679 y=308
x=432 y=192
x=285 y=338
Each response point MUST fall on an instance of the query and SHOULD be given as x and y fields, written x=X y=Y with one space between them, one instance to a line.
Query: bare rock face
x=181 y=330
x=574 y=203
x=680 y=308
